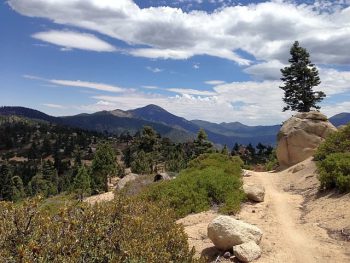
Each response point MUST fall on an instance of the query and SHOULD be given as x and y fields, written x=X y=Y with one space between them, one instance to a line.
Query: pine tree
x=104 y=166
x=82 y=183
x=299 y=79
x=224 y=150
x=202 y=144
x=141 y=164
x=5 y=183
x=17 y=189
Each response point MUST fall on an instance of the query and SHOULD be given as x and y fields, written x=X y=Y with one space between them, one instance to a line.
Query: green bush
x=333 y=160
x=334 y=171
x=210 y=179
x=336 y=142
x=123 y=230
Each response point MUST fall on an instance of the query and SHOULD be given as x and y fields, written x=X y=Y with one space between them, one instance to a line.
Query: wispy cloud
x=87 y=84
x=79 y=84
x=150 y=87
x=69 y=40
x=214 y=82
x=55 y=106
x=196 y=65
x=193 y=92
x=154 y=70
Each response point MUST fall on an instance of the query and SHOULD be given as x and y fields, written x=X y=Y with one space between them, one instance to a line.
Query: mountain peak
x=152 y=107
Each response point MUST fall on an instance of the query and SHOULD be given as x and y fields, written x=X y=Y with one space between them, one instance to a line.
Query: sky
x=214 y=60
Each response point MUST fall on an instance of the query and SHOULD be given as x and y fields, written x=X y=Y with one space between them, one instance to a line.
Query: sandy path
x=287 y=238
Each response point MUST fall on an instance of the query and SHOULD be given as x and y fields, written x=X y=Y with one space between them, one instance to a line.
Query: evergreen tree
x=49 y=174
x=5 y=183
x=141 y=164
x=235 y=149
x=202 y=144
x=17 y=189
x=104 y=166
x=224 y=150
x=39 y=186
x=299 y=79
x=82 y=183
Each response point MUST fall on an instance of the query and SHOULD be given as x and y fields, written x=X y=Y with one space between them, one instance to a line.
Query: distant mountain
x=28 y=113
x=155 y=113
x=340 y=119
x=167 y=124
x=239 y=129
x=106 y=121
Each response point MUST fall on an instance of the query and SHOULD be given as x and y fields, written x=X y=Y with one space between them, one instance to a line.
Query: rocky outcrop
x=161 y=176
x=126 y=179
x=300 y=136
x=247 y=252
x=254 y=193
x=226 y=232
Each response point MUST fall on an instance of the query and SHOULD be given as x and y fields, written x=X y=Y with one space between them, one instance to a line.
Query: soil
x=300 y=224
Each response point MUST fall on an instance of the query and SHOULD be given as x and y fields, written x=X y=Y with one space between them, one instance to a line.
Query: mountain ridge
x=167 y=124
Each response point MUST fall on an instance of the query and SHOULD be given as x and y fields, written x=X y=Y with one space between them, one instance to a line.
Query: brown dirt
x=295 y=218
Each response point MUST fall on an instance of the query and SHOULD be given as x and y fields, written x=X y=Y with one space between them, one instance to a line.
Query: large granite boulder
x=300 y=136
x=226 y=232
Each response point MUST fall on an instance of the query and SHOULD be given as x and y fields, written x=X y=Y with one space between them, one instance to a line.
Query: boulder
x=247 y=252
x=254 y=193
x=161 y=176
x=226 y=232
x=126 y=179
x=300 y=136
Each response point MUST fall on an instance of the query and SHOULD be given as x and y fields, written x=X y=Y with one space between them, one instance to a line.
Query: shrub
x=210 y=179
x=334 y=171
x=123 y=230
x=333 y=157
x=336 y=142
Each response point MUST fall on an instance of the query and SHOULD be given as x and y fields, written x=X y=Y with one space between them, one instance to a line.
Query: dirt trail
x=290 y=234
x=293 y=242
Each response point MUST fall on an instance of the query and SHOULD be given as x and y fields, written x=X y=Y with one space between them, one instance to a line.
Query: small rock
x=227 y=254
x=246 y=173
x=253 y=211
x=254 y=192
x=226 y=232
x=247 y=252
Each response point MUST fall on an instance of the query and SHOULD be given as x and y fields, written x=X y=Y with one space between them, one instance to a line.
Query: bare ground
x=299 y=224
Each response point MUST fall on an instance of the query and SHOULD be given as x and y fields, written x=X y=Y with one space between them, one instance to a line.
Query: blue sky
x=215 y=60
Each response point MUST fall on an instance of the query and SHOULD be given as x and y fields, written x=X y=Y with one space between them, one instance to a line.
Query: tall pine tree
x=299 y=79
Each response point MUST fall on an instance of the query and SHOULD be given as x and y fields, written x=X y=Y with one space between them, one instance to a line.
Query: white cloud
x=250 y=102
x=214 y=82
x=55 y=106
x=69 y=40
x=193 y=92
x=78 y=84
x=154 y=70
x=266 y=70
x=87 y=84
x=265 y=30
x=150 y=87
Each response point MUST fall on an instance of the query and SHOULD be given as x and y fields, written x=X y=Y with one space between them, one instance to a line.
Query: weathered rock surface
x=226 y=232
x=254 y=193
x=161 y=176
x=128 y=178
x=247 y=252
x=300 y=136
